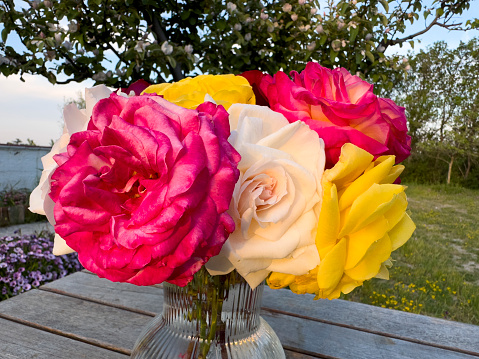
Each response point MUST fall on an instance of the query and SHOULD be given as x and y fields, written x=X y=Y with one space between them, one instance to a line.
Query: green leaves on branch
x=118 y=42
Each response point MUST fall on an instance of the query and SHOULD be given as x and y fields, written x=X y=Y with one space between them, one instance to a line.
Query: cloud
x=32 y=109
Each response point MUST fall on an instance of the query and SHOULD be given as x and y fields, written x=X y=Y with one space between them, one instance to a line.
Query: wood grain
x=23 y=342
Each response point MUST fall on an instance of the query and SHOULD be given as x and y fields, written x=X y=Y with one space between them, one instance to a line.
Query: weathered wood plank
x=339 y=342
x=23 y=342
x=383 y=321
x=387 y=322
x=310 y=336
x=92 y=321
x=121 y=294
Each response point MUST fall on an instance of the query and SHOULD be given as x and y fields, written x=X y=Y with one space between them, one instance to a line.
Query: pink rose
x=341 y=108
x=142 y=194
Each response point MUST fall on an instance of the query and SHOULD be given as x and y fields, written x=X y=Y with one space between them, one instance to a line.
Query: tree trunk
x=468 y=168
x=450 y=170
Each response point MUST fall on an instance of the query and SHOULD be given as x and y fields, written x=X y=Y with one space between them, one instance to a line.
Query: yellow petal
x=369 y=206
x=383 y=272
x=402 y=232
x=158 y=89
x=279 y=280
x=360 y=241
x=304 y=286
x=365 y=181
x=190 y=92
x=329 y=221
x=370 y=265
x=393 y=174
x=397 y=210
x=331 y=268
x=352 y=162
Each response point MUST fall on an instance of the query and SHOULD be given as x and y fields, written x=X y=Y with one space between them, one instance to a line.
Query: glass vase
x=212 y=317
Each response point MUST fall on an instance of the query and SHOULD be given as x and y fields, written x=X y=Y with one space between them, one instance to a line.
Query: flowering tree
x=440 y=96
x=117 y=42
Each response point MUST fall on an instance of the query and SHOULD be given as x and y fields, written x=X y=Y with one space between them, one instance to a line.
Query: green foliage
x=117 y=42
x=441 y=98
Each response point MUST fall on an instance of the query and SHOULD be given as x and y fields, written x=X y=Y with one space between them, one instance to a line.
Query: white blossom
x=408 y=67
x=141 y=45
x=73 y=26
x=189 y=49
x=264 y=16
x=319 y=29
x=247 y=37
x=166 y=48
x=287 y=7
x=67 y=45
x=237 y=27
x=231 y=7
x=58 y=38
x=311 y=46
x=294 y=17
x=50 y=55
x=301 y=2
x=100 y=76
x=314 y=11
x=336 y=45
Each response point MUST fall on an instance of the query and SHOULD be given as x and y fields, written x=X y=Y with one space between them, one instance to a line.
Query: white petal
x=93 y=95
x=300 y=263
x=60 y=247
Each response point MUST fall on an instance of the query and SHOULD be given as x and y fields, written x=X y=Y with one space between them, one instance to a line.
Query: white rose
x=277 y=198
x=75 y=121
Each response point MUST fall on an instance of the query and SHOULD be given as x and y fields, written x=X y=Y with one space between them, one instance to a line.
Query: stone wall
x=21 y=165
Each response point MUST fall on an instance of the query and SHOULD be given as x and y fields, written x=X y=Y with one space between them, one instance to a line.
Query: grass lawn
x=436 y=272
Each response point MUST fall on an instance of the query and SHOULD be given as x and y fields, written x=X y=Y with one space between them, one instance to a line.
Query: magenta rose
x=142 y=194
x=341 y=108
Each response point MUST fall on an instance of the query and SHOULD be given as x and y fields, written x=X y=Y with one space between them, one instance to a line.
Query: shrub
x=27 y=262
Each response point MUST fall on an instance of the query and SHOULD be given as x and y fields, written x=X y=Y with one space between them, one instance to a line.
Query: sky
x=32 y=109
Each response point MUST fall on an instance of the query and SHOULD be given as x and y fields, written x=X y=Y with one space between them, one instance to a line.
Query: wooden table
x=82 y=316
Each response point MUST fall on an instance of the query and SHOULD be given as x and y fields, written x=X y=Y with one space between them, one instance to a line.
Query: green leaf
x=370 y=56
x=332 y=56
x=323 y=40
x=5 y=32
x=171 y=61
x=185 y=15
x=354 y=33
x=411 y=43
x=359 y=57
x=221 y=24
x=385 y=4
x=439 y=12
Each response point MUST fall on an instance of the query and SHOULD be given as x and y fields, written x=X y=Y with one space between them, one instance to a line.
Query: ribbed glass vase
x=213 y=317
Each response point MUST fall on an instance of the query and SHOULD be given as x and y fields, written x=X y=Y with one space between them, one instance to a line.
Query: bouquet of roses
x=293 y=180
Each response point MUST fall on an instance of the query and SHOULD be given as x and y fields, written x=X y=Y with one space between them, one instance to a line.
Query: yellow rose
x=363 y=219
x=190 y=92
